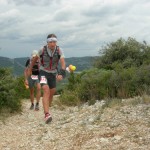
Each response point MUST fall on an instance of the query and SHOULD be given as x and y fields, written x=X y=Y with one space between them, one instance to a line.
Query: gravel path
x=78 y=128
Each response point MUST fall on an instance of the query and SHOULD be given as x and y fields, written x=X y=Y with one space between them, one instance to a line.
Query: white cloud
x=3 y=2
x=81 y=26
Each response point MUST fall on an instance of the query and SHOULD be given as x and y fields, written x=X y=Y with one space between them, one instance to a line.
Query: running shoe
x=32 y=106
x=48 y=118
x=37 y=106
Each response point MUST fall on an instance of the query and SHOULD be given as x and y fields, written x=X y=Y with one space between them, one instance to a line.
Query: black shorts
x=46 y=78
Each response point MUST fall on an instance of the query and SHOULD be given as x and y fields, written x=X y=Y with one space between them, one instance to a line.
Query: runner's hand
x=59 y=78
x=26 y=82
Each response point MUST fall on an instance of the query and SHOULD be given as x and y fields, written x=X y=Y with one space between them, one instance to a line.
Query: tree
x=124 y=53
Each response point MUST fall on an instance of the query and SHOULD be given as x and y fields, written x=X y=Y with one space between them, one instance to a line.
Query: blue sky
x=82 y=26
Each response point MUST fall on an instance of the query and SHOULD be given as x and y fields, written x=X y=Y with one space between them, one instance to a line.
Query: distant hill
x=18 y=64
x=6 y=62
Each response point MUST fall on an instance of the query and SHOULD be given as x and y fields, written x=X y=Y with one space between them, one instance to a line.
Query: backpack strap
x=58 y=52
x=41 y=56
x=42 y=59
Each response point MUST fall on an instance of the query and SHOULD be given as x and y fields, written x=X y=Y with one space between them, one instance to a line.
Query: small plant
x=146 y=99
x=69 y=98
x=110 y=103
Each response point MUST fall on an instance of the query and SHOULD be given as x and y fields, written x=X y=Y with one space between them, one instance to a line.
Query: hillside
x=18 y=64
x=119 y=127
x=6 y=62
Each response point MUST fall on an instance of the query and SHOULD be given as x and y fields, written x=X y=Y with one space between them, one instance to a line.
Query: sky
x=82 y=26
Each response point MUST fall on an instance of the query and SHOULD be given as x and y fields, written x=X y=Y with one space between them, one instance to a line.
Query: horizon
x=65 y=57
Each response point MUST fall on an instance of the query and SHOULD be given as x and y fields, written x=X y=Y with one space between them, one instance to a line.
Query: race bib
x=34 y=77
x=43 y=80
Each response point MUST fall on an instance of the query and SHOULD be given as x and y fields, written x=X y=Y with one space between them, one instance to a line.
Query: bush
x=94 y=85
x=128 y=53
x=70 y=98
x=20 y=89
x=98 y=84
x=123 y=71
x=8 y=96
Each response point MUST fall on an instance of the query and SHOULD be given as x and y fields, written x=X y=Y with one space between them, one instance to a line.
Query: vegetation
x=22 y=92
x=12 y=90
x=8 y=95
x=122 y=71
x=124 y=54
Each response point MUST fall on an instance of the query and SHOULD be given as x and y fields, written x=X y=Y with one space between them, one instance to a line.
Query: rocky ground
x=121 y=127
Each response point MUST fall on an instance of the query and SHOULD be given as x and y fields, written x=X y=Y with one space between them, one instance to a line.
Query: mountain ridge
x=18 y=64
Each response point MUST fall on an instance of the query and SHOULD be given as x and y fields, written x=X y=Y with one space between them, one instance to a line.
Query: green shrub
x=122 y=71
x=8 y=96
x=128 y=53
x=20 y=89
x=97 y=84
x=70 y=98
x=94 y=85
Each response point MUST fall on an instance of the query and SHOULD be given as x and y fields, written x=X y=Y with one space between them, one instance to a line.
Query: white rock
x=104 y=140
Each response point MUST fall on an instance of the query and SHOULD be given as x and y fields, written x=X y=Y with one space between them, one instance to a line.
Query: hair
x=51 y=35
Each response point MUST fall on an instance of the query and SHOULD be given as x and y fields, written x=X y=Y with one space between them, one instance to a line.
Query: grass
x=110 y=103
x=6 y=113
x=144 y=99
x=56 y=103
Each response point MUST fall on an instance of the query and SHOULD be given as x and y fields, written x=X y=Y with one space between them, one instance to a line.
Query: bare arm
x=63 y=67
x=25 y=73
x=63 y=64
x=29 y=71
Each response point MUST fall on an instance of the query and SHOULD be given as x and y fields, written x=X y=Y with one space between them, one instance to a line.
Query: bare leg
x=38 y=94
x=45 y=100
x=52 y=92
x=32 y=95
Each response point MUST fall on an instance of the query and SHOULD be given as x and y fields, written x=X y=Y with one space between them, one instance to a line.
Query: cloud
x=8 y=23
x=33 y=2
x=81 y=26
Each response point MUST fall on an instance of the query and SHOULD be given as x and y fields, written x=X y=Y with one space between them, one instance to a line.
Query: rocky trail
x=125 y=127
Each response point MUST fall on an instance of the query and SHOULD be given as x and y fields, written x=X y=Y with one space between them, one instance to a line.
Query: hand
x=26 y=82
x=59 y=77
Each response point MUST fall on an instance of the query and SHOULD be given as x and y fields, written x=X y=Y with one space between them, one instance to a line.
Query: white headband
x=52 y=39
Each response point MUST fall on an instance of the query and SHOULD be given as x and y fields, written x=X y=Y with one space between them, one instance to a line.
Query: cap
x=34 y=53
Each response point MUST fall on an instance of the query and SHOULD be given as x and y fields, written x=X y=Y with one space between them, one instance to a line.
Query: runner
x=50 y=55
x=33 y=80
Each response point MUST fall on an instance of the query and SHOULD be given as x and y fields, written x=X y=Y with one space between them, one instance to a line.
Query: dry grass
x=111 y=103
x=144 y=99
x=57 y=103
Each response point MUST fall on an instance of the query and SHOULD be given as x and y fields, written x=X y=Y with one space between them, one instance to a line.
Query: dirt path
x=78 y=128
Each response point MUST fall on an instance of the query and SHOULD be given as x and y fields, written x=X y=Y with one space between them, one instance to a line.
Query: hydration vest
x=50 y=62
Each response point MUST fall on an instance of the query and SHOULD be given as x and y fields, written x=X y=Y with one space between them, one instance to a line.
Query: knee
x=38 y=88
x=46 y=90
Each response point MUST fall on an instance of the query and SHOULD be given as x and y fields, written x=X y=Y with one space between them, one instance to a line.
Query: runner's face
x=51 y=45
